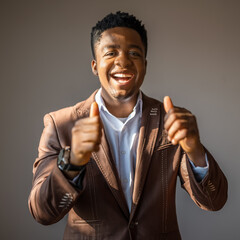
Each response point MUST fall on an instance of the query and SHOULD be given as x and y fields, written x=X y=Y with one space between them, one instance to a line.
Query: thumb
x=94 y=110
x=167 y=102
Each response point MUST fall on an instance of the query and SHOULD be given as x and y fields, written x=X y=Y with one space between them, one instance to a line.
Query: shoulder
x=152 y=103
x=63 y=115
x=68 y=115
x=150 y=100
x=58 y=124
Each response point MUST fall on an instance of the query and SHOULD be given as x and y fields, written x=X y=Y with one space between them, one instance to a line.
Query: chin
x=123 y=96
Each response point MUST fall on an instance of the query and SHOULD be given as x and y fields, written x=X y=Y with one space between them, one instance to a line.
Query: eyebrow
x=118 y=46
x=136 y=46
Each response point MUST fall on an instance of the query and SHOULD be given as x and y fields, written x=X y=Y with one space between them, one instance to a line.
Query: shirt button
x=125 y=180
x=123 y=152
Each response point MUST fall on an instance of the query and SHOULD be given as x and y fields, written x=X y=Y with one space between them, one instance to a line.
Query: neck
x=120 y=108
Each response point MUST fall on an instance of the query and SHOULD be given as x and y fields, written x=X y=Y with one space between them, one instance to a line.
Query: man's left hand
x=182 y=129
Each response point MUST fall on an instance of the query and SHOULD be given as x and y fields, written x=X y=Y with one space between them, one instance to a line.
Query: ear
x=94 y=67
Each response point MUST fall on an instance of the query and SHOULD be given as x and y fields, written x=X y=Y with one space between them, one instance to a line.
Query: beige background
x=194 y=56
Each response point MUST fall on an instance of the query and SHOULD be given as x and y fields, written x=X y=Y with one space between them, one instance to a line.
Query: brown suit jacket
x=99 y=210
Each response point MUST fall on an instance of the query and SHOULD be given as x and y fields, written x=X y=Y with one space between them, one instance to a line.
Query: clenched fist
x=86 y=136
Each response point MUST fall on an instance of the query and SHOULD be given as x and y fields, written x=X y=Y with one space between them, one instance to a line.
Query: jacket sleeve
x=211 y=192
x=52 y=195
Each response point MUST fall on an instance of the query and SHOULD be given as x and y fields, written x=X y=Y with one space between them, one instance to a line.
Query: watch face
x=61 y=160
x=61 y=165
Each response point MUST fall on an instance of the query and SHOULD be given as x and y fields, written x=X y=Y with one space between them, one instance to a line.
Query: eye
x=134 y=54
x=110 y=54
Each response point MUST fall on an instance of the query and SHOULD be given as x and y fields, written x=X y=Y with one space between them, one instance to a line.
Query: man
x=111 y=162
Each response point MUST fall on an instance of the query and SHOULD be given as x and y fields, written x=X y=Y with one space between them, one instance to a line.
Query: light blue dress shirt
x=122 y=135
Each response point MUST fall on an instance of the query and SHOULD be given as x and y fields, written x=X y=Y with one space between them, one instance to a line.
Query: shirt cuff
x=200 y=172
x=77 y=182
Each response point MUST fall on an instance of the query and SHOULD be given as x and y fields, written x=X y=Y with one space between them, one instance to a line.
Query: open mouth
x=122 y=77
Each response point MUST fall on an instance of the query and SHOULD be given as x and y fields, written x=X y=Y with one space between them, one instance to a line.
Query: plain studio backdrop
x=194 y=57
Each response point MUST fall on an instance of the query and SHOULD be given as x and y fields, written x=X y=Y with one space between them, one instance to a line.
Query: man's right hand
x=86 y=137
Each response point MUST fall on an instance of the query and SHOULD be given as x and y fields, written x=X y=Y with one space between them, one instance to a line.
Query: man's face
x=120 y=63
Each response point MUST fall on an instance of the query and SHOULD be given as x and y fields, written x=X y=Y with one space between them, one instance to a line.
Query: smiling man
x=120 y=64
x=111 y=162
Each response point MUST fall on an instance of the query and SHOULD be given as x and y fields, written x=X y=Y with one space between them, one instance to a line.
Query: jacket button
x=133 y=224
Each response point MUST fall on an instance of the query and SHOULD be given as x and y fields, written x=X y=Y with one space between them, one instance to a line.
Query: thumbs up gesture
x=86 y=137
x=182 y=129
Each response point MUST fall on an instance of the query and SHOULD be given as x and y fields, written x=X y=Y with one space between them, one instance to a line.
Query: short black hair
x=118 y=19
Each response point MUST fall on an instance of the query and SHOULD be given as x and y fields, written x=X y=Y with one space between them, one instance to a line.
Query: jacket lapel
x=105 y=163
x=147 y=139
x=104 y=160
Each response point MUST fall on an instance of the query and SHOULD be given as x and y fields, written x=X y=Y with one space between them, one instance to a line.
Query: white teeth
x=122 y=75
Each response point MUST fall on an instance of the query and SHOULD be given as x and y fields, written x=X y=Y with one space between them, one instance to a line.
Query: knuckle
x=75 y=129
x=174 y=117
x=185 y=110
x=79 y=122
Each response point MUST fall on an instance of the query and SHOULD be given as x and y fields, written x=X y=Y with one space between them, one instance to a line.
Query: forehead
x=121 y=36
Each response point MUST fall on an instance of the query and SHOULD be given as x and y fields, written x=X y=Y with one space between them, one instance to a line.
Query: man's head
x=119 y=44
x=119 y=19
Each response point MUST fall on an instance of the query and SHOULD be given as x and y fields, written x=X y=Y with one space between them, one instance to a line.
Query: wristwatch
x=63 y=161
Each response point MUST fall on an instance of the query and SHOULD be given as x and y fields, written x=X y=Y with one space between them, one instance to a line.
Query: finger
x=170 y=120
x=90 y=137
x=87 y=122
x=94 y=111
x=176 y=126
x=90 y=125
x=87 y=147
x=91 y=128
x=179 y=136
x=167 y=102
x=177 y=110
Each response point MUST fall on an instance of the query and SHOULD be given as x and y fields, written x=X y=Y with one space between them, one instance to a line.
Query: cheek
x=104 y=66
x=141 y=70
x=101 y=65
x=103 y=73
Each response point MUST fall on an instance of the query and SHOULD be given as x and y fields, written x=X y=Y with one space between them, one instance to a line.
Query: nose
x=123 y=60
